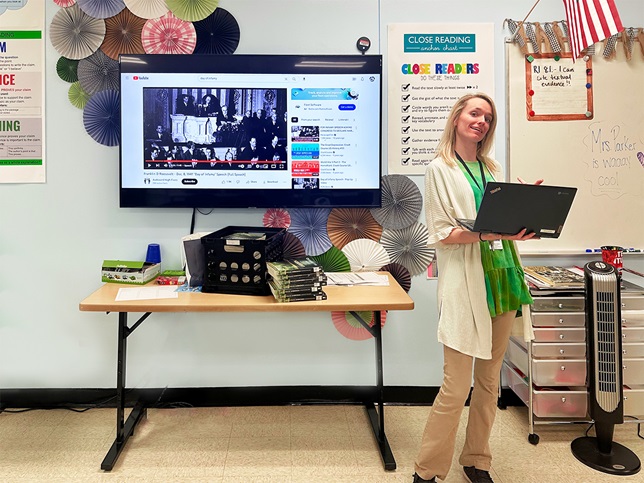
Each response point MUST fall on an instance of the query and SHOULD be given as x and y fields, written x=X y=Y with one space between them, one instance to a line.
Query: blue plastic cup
x=154 y=253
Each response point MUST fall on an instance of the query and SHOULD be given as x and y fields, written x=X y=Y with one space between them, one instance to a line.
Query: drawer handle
x=561 y=306
x=561 y=351
x=561 y=336
x=563 y=399
x=563 y=368
x=561 y=321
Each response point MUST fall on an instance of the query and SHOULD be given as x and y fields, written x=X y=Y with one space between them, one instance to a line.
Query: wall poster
x=22 y=91
x=430 y=66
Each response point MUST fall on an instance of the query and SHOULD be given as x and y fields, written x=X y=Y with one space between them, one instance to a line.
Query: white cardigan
x=464 y=322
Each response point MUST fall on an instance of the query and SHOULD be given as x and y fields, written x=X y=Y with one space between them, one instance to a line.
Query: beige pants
x=437 y=448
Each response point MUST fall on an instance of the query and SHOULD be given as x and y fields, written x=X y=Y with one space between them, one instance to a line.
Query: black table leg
x=377 y=417
x=124 y=429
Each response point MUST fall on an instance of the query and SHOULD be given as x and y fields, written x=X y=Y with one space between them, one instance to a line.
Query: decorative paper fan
x=409 y=247
x=276 y=218
x=101 y=8
x=309 y=225
x=365 y=255
x=400 y=273
x=401 y=202
x=74 y=34
x=98 y=72
x=218 y=33
x=293 y=247
x=67 y=69
x=348 y=326
x=64 y=3
x=333 y=260
x=77 y=96
x=348 y=224
x=123 y=35
x=147 y=8
x=192 y=10
x=101 y=117
x=168 y=35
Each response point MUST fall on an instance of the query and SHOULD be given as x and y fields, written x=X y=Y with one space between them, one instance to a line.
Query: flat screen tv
x=223 y=131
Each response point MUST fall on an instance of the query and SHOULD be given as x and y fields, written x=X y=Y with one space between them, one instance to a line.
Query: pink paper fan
x=64 y=3
x=277 y=218
x=168 y=35
x=348 y=326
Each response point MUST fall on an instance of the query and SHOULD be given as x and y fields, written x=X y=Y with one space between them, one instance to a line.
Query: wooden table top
x=391 y=297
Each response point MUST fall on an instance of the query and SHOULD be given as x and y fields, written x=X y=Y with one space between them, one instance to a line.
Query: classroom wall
x=54 y=236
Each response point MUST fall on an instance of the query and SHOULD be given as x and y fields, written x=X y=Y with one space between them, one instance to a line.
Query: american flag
x=590 y=21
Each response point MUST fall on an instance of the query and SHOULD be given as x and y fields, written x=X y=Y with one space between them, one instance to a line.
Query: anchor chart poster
x=430 y=66
x=22 y=58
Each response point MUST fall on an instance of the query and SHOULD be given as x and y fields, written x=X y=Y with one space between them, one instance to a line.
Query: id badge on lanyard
x=496 y=245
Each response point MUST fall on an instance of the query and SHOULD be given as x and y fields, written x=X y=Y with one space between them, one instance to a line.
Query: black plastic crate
x=236 y=259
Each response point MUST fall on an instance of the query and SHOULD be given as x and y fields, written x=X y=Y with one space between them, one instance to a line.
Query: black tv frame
x=252 y=198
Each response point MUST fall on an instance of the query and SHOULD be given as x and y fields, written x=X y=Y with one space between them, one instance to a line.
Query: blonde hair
x=445 y=148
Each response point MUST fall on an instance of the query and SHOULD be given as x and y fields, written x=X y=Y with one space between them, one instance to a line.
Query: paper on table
x=356 y=278
x=146 y=293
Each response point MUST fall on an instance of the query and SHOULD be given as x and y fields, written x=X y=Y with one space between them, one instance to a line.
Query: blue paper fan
x=101 y=8
x=98 y=73
x=102 y=116
x=218 y=33
x=309 y=225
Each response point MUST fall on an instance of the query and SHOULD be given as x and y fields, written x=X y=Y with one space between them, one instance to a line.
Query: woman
x=480 y=289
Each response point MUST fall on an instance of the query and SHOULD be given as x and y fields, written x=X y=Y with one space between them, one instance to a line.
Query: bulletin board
x=601 y=154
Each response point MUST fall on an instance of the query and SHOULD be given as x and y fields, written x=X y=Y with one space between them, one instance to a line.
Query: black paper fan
x=67 y=69
x=400 y=273
x=218 y=33
x=102 y=117
x=293 y=247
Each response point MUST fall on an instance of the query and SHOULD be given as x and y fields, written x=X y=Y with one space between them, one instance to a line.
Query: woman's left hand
x=521 y=236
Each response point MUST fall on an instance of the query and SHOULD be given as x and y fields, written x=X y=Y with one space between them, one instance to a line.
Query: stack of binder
x=296 y=280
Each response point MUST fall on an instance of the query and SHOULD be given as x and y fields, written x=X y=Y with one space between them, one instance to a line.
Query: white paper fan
x=365 y=255
x=147 y=8
x=408 y=247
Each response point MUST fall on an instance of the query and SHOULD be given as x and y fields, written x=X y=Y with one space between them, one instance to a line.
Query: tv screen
x=210 y=131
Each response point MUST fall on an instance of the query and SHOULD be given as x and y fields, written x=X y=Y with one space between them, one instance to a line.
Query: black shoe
x=477 y=476
x=418 y=479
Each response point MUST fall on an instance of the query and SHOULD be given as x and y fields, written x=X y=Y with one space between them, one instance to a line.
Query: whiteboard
x=602 y=157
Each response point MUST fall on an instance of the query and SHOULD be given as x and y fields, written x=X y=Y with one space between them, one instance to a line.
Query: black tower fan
x=606 y=401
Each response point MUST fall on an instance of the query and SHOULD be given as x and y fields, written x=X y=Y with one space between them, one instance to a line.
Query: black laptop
x=508 y=208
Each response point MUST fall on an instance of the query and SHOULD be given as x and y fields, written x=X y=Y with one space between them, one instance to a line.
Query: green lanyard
x=458 y=156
